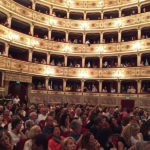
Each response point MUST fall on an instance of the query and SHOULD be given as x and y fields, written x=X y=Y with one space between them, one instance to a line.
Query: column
x=51 y=10
x=33 y=4
x=30 y=55
x=119 y=60
x=29 y=90
x=48 y=58
x=68 y=14
x=102 y=15
x=138 y=59
x=46 y=82
x=84 y=15
x=139 y=33
x=119 y=36
x=64 y=85
x=65 y=60
x=119 y=86
x=32 y=29
x=82 y=85
x=6 y=86
x=119 y=13
x=139 y=86
x=139 y=9
x=84 y=36
x=49 y=33
x=83 y=61
x=101 y=61
x=6 y=49
x=101 y=37
x=9 y=19
x=67 y=36
x=100 y=86
x=3 y=78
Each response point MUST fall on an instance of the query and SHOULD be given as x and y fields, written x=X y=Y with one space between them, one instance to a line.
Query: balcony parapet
x=20 y=39
x=18 y=66
x=31 y=16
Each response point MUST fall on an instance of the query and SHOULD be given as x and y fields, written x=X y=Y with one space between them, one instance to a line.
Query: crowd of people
x=72 y=127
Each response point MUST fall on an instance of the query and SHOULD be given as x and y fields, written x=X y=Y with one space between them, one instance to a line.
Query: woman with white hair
x=35 y=130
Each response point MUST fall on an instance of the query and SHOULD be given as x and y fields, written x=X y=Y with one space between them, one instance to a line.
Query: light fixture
x=101 y=3
x=68 y=48
x=83 y=74
x=14 y=36
x=69 y=2
x=84 y=25
x=100 y=49
x=118 y=22
x=118 y=74
x=136 y=45
x=34 y=43
x=53 y=21
x=49 y=71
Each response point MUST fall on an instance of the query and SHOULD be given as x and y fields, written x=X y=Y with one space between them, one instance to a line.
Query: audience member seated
x=16 y=133
x=104 y=90
x=40 y=142
x=94 y=89
x=69 y=144
x=6 y=142
x=35 y=130
x=88 y=142
x=49 y=124
x=55 y=142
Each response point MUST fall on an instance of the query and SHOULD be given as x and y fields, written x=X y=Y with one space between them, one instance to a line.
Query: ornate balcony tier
x=20 y=39
x=18 y=11
x=107 y=99
x=13 y=65
x=90 y=4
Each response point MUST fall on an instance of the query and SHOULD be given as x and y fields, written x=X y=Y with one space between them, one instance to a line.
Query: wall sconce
x=101 y=3
x=69 y=2
x=100 y=49
x=14 y=36
x=118 y=23
x=84 y=25
x=83 y=74
x=137 y=45
x=68 y=49
x=118 y=74
x=34 y=43
x=53 y=22
x=49 y=71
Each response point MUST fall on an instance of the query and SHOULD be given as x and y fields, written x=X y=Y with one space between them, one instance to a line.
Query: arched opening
x=76 y=38
x=76 y=16
x=59 y=13
x=110 y=37
x=74 y=61
x=129 y=11
x=58 y=36
x=129 y=35
x=55 y=84
x=129 y=61
x=110 y=62
x=109 y=86
x=41 y=32
x=91 y=86
x=42 y=8
x=38 y=57
x=92 y=62
x=20 y=26
x=73 y=85
x=93 y=16
x=93 y=38
x=129 y=86
x=57 y=60
x=18 y=53
x=38 y=83
x=111 y=14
